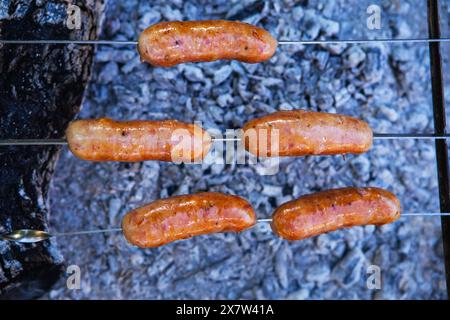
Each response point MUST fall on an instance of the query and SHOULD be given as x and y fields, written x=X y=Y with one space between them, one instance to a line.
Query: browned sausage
x=330 y=210
x=166 y=44
x=109 y=140
x=303 y=133
x=182 y=217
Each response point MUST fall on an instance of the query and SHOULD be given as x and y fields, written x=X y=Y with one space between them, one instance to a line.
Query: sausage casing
x=130 y=141
x=181 y=217
x=326 y=211
x=303 y=133
x=166 y=44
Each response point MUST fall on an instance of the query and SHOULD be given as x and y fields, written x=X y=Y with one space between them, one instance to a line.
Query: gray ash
x=388 y=86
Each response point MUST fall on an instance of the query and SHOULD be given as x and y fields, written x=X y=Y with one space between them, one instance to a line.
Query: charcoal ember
x=348 y=271
x=375 y=62
x=244 y=9
x=311 y=24
x=354 y=56
x=319 y=273
x=282 y=262
x=41 y=88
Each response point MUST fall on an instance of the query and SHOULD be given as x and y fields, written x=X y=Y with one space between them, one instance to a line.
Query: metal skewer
x=81 y=42
x=363 y=41
x=33 y=236
x=426 y=136
x=281 y=42
x=377 y=136
x=32 y=142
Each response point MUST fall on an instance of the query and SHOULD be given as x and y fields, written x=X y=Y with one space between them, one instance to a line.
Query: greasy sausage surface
x=303 y=133
x=326 y=211
x=185 y=216
x=108 y=140
x=166 y=44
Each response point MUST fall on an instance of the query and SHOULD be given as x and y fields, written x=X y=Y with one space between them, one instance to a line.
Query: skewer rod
x=82 y=42
x=281 y=42
x=33 y=236
x=266 y=220
x=31 y=142
x=363 y=41
x=376 y=136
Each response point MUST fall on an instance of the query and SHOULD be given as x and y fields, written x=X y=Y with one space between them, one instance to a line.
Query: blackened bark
x=41 y=89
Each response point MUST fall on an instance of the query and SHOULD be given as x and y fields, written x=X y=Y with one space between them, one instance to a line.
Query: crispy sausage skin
x=303 y=133
x=181 y=217
x=130 y=141
x=167 y=44
x=326 y=211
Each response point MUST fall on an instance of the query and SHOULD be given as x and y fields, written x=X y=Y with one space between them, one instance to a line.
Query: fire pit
x=386 y=85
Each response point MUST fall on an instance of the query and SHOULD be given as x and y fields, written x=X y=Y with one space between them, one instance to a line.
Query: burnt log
x=41 y=89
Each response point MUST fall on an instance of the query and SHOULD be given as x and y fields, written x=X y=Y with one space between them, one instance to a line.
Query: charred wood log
x=41 y=89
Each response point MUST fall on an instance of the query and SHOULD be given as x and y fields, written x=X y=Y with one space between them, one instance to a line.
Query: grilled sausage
x=301 y=133
x=181 y=217
x=166 y=44
x=130 y=141
x=330 y=210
